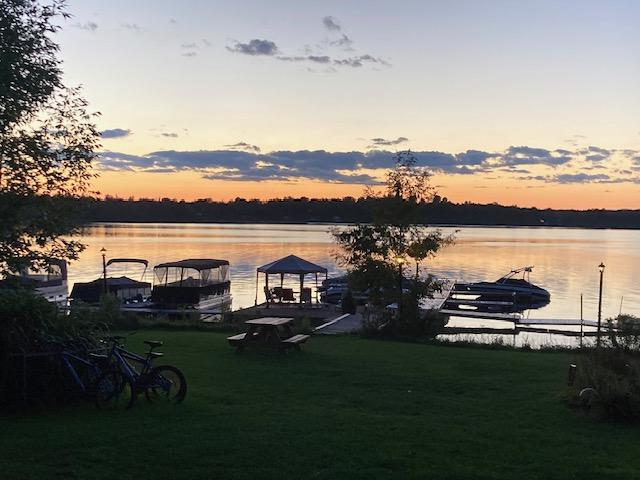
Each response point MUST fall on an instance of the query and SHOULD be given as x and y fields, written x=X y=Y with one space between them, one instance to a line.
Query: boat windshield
x=52 y=272
x=190 y=277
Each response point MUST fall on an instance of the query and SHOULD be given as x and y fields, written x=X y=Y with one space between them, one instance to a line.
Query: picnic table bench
x=272 y=333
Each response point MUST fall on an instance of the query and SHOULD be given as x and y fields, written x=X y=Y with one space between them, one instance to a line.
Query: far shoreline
x=348 y=224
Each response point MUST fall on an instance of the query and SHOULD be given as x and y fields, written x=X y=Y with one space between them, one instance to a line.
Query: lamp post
x=103 y=251
x=400 y=260
x=601 y=269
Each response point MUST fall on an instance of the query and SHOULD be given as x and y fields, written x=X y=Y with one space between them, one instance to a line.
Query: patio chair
x=268 y=295
x=305 y=295
x=287 y=295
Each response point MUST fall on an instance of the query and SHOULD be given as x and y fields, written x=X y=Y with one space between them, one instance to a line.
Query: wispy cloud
x=331 y=23
x=244 y=146
x=132 y=26
x=378 y=142
x=87 y=26
x=115 y=133
x=255 y=47
x=169 y=134
x=343 y=42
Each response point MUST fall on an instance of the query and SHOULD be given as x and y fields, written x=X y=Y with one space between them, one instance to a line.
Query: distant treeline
x=346 y=210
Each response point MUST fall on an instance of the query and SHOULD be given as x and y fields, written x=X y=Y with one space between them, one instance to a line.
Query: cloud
x=331 y=24
x=115 y=133
x=169 y=135
x=581 y=178
x=360 y=60
x=88 y=26
x=244 y=146
x=243 y=161
x=188 y=46
x=534 y=156
x=255 y=47
x=343 y=42
x=132 y=26
x=306 y=58
x=377 y=142
x=189 y=54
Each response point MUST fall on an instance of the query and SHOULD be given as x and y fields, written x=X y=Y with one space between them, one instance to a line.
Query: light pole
x=400 y=260
x=601 y=269
x=103 y=251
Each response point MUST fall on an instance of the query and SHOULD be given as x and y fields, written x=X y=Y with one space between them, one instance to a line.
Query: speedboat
x=128 y=291
x=201 y=284
x=507 y=294
x=50 y=282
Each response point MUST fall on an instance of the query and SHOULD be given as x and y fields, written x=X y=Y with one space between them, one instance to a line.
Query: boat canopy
x=128 y=260
x=192 y=273
x=195 y=263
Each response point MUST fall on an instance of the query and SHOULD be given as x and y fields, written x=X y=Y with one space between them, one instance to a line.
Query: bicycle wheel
x=113 y=391
x=165 y=383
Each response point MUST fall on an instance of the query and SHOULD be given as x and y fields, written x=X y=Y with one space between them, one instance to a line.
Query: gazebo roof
x=292 y=264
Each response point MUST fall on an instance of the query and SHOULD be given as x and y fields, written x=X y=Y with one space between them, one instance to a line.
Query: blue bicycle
x=86 y=372
x=137 y=372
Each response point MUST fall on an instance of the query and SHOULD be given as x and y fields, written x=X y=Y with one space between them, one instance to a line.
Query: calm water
x=565 y=260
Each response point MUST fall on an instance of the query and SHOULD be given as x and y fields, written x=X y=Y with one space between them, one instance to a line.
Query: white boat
x=50 y=283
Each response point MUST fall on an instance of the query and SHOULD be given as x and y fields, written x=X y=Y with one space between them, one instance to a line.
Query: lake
x=566 y=260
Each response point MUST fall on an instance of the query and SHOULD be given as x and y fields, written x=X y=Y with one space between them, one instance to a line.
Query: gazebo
x=290 y=265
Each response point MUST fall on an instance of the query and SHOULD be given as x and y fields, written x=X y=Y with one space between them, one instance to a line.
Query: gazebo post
x=257 y=276
x=316 y=287
x=266 y=287
x=301 y=287
x=281 y=280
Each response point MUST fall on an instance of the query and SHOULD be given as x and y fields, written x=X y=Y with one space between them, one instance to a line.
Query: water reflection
x=565 y=260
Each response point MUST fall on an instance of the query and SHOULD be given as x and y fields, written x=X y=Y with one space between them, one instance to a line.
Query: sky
x=530 y=103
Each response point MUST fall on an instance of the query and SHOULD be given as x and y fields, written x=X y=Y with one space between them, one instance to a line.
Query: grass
x=343 y=408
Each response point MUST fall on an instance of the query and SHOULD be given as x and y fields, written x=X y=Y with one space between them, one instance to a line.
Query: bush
x=29 y=324
x=607 y=380
x=348 y=304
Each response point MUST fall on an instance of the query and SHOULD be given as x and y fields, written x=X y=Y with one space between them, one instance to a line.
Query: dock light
x=103 y=251
x=601 y=269
x=400 y=261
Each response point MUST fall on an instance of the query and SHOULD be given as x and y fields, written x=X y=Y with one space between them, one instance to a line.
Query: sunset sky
x=530 y=103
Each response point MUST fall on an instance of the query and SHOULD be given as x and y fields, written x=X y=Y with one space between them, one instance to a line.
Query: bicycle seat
x=153 y=343
x=156 y=354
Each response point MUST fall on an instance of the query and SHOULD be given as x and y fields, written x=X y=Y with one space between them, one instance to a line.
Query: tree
x=48 y=140
x=376 y=254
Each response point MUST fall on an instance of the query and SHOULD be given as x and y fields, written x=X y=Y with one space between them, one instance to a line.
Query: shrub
x=348 y=303
x=608 y=379
x=30 y=324
x=607 y=382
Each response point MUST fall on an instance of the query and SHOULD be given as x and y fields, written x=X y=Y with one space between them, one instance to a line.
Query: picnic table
x=269 y=333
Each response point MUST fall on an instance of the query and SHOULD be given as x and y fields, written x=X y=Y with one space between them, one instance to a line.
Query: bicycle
x=158 y=383
x=88 y=376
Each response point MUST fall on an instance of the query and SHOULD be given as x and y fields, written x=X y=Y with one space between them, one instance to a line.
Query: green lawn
x=343 y=408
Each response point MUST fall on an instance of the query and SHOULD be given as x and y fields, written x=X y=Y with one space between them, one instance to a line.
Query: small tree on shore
x=376 y=254
x=47 y=140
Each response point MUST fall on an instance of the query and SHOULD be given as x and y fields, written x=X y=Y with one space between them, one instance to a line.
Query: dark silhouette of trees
x=348 y=210
x=47 y=140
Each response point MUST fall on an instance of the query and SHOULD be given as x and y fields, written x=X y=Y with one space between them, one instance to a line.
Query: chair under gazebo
x=289 y=265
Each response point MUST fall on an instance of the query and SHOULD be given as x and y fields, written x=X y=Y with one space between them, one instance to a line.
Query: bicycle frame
x=122 y=358
x=66 y=359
